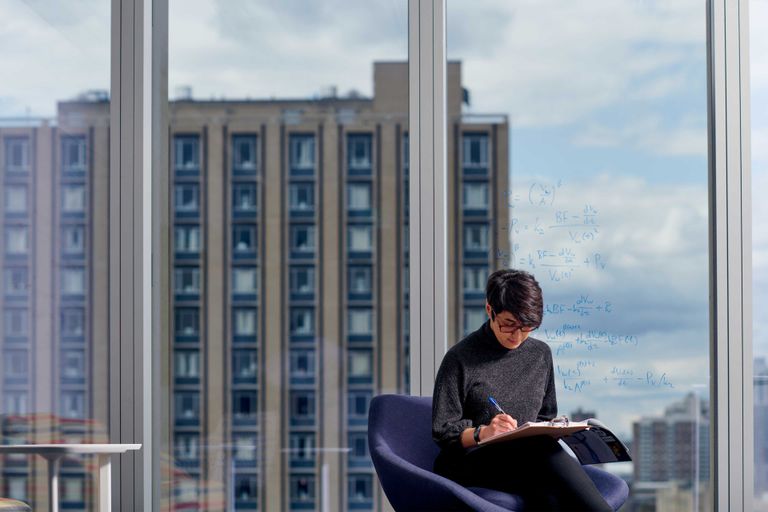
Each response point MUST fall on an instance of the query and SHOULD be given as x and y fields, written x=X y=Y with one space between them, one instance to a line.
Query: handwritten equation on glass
x=556 y=235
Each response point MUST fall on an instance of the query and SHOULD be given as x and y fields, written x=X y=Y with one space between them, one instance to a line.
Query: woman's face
x=506 y=328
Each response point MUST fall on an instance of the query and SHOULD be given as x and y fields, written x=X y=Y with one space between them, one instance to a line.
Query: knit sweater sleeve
x=448 y=421
x=549 y=404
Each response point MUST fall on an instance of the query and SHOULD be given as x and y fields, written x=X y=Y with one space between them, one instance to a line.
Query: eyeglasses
x=510 y=328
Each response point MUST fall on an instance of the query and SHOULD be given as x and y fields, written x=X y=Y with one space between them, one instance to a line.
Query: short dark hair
x=518 y=292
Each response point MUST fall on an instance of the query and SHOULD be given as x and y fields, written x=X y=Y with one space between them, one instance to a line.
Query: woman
x=500 y=360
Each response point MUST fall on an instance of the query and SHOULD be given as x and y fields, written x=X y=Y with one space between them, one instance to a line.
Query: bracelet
x=476 y=435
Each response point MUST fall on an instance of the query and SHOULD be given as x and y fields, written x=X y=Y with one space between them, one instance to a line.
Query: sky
x=607 y=106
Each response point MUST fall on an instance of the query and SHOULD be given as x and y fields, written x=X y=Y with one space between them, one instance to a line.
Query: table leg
x=105 y=483
x=53 y=482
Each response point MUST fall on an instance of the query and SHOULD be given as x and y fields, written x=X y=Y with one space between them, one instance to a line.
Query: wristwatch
x=476 y=435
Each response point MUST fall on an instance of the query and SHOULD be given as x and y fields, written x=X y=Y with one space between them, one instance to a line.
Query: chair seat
x=503 y=499
x=9 y=505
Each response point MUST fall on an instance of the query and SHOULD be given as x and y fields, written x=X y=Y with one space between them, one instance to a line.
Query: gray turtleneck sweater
x=521 y=380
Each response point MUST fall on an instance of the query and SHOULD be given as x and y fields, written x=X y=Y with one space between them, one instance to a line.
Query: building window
x=73 y=364
x=361 y=364
x=187 y=197
x=16 y=199
x=16 y=280
x=246 y=489
x=73 y=198
x=360 y=321
x=476 y=237
x=16 y=487
x=360 y=489
x=187 y=447
x=73 y=154
x=187 y=406
x=360 y=238
x=187 y=321
x=358 y=197
x=358 y=447
x=245 y=405
x=475 y=151
x=15 y=364
x=17 y=154
x=358 y=404
x=187 y=280
x=15 y=402
x=16 y=240
x=302 y=280
x=359 y=150
x=475 y=196
x=72 y=321
x=360 y=281
x=303 y=238
x=244 y=198
x=72 y=491
x=187 y=239
x=475 y=279
x=245 y=280
x=302 y=197
x=245 y=365
x=474 y=318
x=187 y=153
x=244 y=321
x=302 y=489
x=244 y=152
x=186 y=364
x=302 y=151
x=244 y=238
x=73 y=404
x=73 y=239
x=16 y=322
x=302 y=363
x=302 y=321
x=73 y=281
x=303 y=405
x=302 y=446
x=246 y=447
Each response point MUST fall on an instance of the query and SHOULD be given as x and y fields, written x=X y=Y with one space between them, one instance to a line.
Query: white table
x=53 y=453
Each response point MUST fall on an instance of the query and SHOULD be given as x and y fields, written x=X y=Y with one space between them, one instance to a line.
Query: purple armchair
x=403 y=452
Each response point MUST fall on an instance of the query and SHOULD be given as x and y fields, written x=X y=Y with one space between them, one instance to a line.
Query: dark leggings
x=536 y=468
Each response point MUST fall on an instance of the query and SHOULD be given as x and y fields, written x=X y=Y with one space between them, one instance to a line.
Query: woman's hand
x=499 y=424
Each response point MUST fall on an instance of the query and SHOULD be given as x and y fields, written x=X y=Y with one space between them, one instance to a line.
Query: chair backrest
x=404 y=424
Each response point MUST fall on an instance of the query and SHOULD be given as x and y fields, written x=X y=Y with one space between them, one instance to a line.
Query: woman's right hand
x=499 y=424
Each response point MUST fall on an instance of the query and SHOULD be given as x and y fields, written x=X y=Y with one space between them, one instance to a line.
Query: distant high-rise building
x=582 y=415
x=674 y=446
x=289 y=282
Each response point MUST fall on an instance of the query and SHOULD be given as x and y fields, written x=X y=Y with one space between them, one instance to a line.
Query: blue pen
x=496 y=405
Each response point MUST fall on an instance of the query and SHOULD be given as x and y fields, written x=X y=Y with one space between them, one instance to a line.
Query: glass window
x=245 y=321
x=474 y=318
x=302 y=489
x=303 y=405
x=359 y=151
x=360 y=363
x=359 y=197
x=246 y=447
x=475 y=237
x=245 y=280
x=358 y=404
x=17 y=154
x=360 y=321
x=187 y=364
x=73 y=239
x=302 y=363
x=16 y=280
x=302 y=321
x=244 y=152
x=360 y=488
x=302 y=238
x=302 y=196
x=15 y=198
x=16 y=321
x=187 y=405
x=73 y=153
x=246 y=489
x=302 y=279
x=244 y=197
x=17 y=487
x=475 y=196
x=187 y=152
x=16 y=240
x=187 y=197
x=73 y=364
x=358 y=446
x=475 y=279
x=302 y=446
x=15 y=364
x=187 y=238
x=360 y=279
x=245 y=405
x=15 y=402
x=187 y=321
x=360 y=238
x=302 y=151
x=244 y=238
x=187 y=280
x=72 y=490
x=73 y=281
x=73 y=404
x=72 y=321
x=245 y=364
x=73 y=199
x=475 y=151
x=187 y=447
